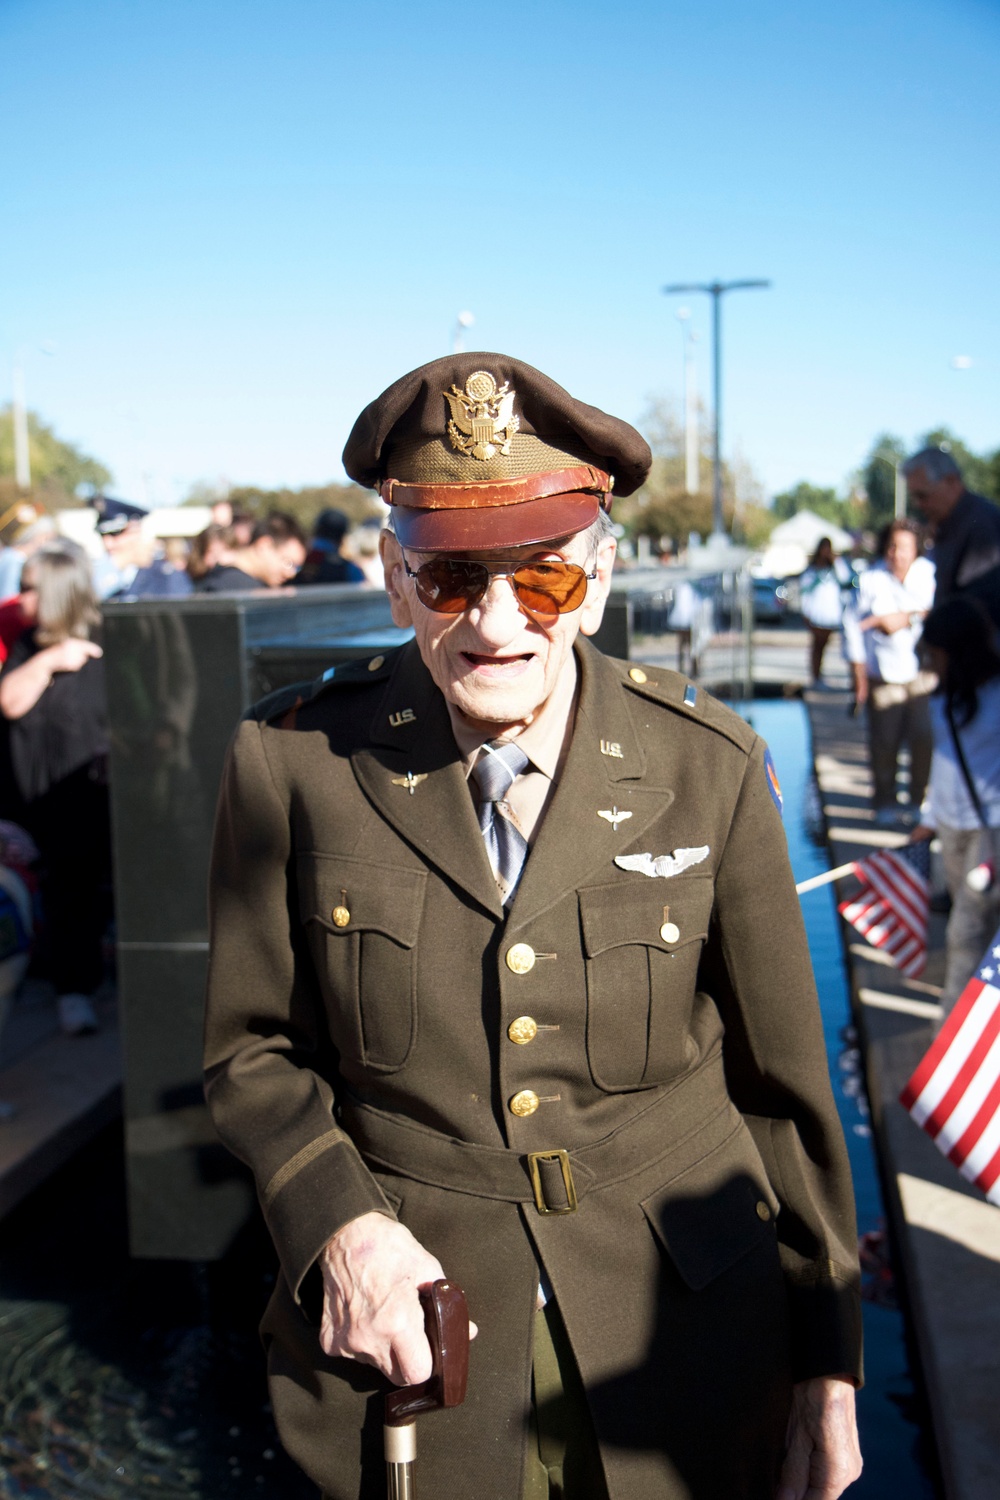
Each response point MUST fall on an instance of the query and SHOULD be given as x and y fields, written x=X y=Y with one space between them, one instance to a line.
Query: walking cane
x=446 y=1317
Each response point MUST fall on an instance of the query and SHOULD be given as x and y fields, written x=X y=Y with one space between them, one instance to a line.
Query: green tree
x=57 y=467
x=805 y=496
x=662 y=508
x=877 y=479
x=304 y=504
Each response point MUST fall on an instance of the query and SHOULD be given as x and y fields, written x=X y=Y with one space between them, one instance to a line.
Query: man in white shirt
x=881 y=632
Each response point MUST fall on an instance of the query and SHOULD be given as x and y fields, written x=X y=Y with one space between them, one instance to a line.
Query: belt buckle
x=562 y=1157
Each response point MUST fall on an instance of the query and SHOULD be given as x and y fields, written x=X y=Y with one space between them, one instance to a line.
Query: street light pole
x=715 y=290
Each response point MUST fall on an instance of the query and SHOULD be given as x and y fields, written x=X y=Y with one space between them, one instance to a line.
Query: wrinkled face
x=493 y=662
x=901 y=553
x=277 y=563
x=934 y=499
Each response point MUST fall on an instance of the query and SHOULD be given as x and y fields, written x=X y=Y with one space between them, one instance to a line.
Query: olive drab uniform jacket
x=665 y=1143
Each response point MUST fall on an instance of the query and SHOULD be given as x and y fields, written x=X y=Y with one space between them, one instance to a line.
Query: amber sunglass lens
x=550 y=588
x=449 y=587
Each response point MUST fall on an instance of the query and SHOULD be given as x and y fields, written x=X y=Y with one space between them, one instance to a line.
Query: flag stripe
x=983 y=1134
x=957 y=1038
x=954 y=1092
x=890 y=909
x=989 y=1178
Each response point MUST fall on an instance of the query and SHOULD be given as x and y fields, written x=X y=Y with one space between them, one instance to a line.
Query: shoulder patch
x=773 y=784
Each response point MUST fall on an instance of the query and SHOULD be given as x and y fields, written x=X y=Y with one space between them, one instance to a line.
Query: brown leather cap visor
x=505 y=513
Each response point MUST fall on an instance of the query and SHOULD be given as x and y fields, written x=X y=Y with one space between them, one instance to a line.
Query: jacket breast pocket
x=362 y=922
x=642 y=945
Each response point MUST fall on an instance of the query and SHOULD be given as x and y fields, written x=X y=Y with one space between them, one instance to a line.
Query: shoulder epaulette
x=675 y=691
x=281 y=707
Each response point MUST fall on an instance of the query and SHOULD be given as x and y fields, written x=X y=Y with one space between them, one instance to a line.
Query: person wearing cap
x=325 y=562
x=142 y=572
x=508 y=982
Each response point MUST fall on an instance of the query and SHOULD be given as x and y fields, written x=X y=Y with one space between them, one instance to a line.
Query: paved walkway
x=63 y=1090
x=947 y=1236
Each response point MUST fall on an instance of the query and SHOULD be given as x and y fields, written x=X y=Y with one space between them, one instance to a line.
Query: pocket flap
x=713 y=1215
x=627 y=912
x=377 y=898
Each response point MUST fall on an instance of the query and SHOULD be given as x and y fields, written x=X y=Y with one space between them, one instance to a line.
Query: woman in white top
x=881 y=634
x=962 y=805
x=822 y=587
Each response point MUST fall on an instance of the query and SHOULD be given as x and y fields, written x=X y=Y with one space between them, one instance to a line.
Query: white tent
x=805 y=529
x=793 y=542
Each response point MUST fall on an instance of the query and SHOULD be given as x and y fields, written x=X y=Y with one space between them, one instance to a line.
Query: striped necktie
x=501 y=762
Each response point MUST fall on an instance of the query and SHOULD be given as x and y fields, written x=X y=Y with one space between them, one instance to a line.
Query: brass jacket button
x=520 y=959
x=763 y=1212
x=524 y=1103
x=341 y=916
x=670 y=932
x=375 y=663
x=637 y=674
x=523 y=1030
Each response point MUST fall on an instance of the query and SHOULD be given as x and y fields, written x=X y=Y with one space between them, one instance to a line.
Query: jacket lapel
x=413 y=773
x=604 y=773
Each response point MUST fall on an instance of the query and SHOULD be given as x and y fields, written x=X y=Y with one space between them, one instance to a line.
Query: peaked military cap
x=481 y=450
x=114 y=515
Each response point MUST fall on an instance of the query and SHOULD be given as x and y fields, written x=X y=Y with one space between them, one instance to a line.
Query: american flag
x=890 y=909
x=955 y=1092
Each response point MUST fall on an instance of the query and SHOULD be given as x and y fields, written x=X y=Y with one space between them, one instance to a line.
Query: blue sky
x=237 y=222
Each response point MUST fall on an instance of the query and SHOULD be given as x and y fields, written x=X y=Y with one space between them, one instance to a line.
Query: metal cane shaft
x=399 y=1482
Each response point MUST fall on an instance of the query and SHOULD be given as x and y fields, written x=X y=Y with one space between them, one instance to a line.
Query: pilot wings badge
x=482 y=416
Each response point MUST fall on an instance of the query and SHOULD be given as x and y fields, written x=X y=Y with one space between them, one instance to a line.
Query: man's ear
x=592 y=612
x=395 y=579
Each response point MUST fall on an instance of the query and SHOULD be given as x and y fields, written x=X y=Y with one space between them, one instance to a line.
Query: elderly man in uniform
x=509 y=983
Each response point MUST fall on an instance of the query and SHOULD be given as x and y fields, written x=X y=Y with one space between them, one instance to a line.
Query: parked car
x=770 y=600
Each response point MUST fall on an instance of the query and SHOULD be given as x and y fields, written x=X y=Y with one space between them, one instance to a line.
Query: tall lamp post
x=715 y=290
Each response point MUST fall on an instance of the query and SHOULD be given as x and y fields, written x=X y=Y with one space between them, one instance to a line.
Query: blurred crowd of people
x=55 y=829
x=921 y=633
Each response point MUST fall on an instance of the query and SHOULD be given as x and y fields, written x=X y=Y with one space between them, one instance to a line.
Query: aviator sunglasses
x=449 y=585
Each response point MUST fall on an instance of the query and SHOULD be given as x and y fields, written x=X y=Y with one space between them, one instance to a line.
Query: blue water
x=889 y=1413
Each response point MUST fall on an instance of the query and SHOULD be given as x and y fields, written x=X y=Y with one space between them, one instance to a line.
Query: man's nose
x=498 y=615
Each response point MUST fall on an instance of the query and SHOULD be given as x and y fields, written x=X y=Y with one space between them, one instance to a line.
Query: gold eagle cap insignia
x=482 y=416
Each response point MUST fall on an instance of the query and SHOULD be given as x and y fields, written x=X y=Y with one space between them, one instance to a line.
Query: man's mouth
x=498 y=666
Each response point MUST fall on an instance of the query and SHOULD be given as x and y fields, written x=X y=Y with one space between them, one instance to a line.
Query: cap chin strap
x=492 y=492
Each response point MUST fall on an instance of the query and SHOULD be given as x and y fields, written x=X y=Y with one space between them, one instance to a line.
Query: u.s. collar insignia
x=482 y=416
x=773 y=784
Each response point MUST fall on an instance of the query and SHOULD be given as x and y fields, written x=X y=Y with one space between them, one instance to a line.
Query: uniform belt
x=554 y=1179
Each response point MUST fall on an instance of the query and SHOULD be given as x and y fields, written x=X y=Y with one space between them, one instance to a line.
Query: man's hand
x=822 y=1456
x=373 y=1269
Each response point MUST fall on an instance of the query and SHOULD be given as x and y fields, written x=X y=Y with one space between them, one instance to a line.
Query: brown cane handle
x=446 y=1320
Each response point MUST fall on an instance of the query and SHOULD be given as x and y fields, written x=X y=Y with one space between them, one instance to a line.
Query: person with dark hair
x=271 y=559
x=823 y=586
x=324 y=562
x=209 y=549
x=962 y=805
x=52 y=694
x=881 y=634
x=966 y=529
